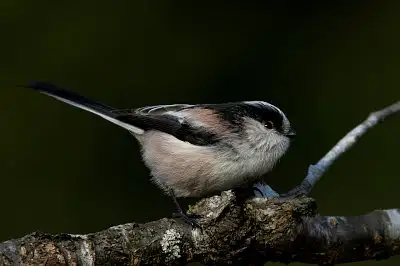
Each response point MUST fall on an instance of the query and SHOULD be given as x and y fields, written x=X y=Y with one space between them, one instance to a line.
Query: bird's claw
x=300 y=190
x=190 y=219
x=264 y=191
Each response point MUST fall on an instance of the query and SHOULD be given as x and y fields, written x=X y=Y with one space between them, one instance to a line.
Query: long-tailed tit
x=197 y=150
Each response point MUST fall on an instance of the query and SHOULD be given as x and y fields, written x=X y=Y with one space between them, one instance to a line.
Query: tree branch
x=260 y=230
x=252 y=233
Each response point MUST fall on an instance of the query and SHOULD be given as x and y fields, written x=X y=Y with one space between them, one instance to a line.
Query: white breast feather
x=194 y=171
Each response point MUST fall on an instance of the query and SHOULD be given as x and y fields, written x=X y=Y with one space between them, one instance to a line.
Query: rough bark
x=259 y=230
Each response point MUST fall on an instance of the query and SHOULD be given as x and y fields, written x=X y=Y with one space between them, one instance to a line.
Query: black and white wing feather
x=163 y=109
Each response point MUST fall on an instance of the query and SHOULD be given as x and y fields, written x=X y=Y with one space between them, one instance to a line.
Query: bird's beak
x=291 y=134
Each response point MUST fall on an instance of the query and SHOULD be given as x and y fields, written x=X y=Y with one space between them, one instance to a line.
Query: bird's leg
x=265 y=191
x=247 y=191
x=190 y=219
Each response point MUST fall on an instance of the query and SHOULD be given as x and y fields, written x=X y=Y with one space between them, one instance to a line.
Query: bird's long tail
x=79 y=101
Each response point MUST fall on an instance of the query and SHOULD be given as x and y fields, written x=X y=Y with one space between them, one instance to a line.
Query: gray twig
x=316 y=171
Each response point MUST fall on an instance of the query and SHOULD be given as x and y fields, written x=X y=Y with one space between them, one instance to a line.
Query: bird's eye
x=269 y=125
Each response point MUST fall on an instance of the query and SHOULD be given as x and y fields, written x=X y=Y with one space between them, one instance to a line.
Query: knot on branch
x=277 y=222
x=249 y=229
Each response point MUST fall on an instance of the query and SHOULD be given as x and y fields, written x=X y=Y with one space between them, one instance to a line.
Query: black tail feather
x=107 y=112
x=53 y=90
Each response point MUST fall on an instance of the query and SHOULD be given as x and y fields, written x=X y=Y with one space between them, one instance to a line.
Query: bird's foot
x=188 y=218
x=300 y=190
x=261 y=190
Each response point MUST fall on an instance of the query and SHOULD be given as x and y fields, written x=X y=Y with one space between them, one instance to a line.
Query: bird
x=196 y=150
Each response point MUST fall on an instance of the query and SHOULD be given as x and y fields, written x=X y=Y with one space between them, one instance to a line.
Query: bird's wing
x=153 y=110
x=177 y=126
x=168 y=119
x=162 y=109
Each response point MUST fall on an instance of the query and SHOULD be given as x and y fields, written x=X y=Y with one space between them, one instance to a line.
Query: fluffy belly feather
x=195 y=171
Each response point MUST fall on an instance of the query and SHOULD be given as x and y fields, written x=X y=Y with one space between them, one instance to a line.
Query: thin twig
x=316 y=171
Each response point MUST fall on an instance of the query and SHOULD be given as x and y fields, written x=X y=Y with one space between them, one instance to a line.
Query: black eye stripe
x=235 y=112
x=265 y=114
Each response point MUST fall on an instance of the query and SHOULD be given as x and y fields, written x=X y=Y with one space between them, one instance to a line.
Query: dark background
x=326 y=65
